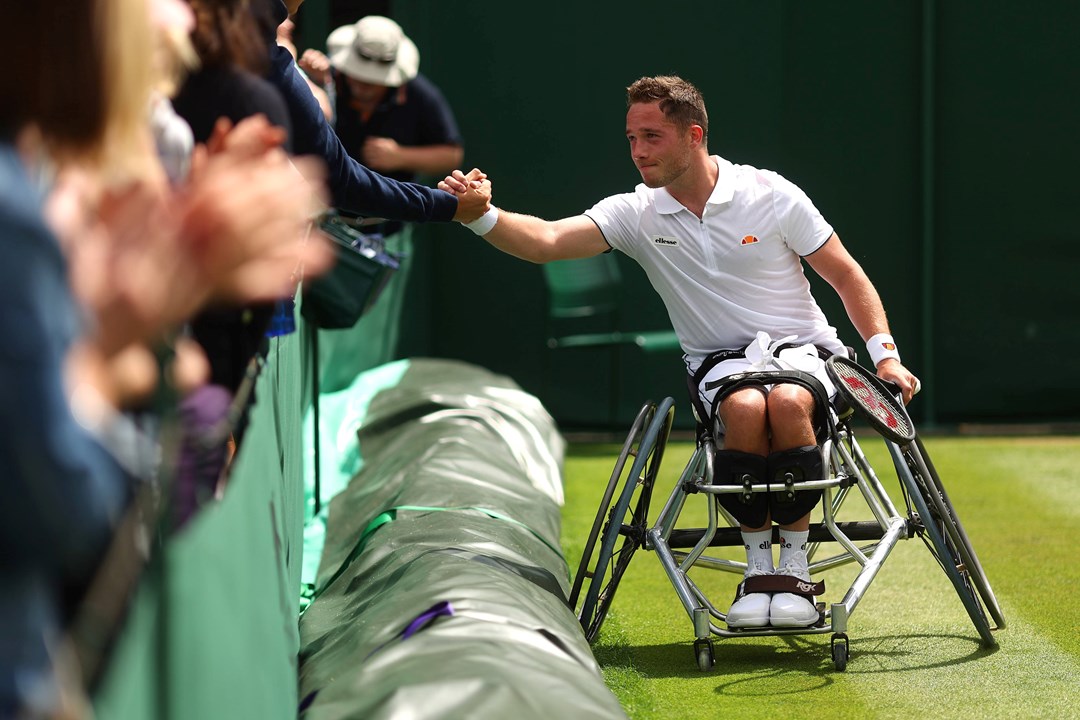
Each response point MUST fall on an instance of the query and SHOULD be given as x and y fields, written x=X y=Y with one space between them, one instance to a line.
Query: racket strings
x=872 y=399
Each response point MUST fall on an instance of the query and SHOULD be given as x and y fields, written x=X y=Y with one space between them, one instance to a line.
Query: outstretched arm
x=541 y=241
x=531 y=238
x=353 y=186
x=835 y=264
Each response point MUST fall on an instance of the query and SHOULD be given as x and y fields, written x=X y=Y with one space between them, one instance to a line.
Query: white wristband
x=483 y=224
x=881 y=347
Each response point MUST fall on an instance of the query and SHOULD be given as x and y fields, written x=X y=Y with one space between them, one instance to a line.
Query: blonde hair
x=84 y=81
x=130 y=76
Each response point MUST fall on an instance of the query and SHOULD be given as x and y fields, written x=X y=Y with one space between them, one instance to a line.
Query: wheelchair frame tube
x=871 y=477
x=852 y=469
x=674 y=505
x=841 y=610
x=667 y=561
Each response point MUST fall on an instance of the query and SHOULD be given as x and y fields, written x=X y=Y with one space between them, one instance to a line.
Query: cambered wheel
x=596 y=582
x=939 y=526
x=967 y=550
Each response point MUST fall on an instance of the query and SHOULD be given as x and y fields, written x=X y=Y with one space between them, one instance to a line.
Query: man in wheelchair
x=768 y=433
x=723 y=245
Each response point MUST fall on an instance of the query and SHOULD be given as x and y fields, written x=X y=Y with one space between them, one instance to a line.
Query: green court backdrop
x=936 y=137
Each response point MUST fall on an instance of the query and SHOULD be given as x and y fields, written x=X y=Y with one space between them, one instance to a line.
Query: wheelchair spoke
x=970 y=560
x=935 y=522
x=626 y=518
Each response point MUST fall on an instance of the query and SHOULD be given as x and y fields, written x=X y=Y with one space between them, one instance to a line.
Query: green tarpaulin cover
x=440 y=591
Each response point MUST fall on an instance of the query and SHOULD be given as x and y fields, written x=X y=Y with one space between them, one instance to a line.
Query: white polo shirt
x=734 y=272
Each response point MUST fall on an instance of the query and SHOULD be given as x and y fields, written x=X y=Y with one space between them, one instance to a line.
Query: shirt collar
x=723 y=191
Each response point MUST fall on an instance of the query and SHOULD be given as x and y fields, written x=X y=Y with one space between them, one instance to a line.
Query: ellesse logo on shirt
x=749 y=240
x=665 y=241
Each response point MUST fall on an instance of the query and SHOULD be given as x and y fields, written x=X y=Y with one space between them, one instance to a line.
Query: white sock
x=792 y=542
x=758 y=549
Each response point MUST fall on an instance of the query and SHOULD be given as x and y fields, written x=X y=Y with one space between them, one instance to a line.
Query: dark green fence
x=936 y=137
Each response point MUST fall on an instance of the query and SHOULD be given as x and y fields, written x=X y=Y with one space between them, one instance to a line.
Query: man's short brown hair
x=679 y=100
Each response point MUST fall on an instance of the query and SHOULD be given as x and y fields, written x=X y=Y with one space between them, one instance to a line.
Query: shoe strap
x=781 y=583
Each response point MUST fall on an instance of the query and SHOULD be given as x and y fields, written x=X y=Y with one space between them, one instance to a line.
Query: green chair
x=589 y=287
x=585 y=292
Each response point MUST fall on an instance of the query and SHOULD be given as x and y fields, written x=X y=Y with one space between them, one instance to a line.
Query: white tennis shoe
x=788 y=609
x=750 y=609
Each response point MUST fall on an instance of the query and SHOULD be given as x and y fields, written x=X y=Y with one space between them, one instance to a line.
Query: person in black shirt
x=389 y=116
x=354 y=187
x=229 y=84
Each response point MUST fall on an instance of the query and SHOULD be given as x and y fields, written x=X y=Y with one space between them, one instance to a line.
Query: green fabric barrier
x=456 y=506
x=212 y=631
x=338 y=458
x=467 y=465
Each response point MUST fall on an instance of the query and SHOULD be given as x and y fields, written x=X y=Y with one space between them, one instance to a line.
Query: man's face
x=659 y=149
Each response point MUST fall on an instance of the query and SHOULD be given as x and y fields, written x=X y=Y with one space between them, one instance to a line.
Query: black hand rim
x=944 y=507
x=648 y=458
x=938 y=531
x=629 y=447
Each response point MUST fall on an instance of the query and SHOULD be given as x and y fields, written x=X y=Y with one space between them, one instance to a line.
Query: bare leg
x=791 y=422
x=746 y=429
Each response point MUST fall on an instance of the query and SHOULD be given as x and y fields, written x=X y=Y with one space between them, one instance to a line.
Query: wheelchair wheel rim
x=601 y=590
x=633 y=438
x=942 y=544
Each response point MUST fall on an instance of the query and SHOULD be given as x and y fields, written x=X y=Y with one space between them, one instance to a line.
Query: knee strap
x=734 y=467
x=787 y=467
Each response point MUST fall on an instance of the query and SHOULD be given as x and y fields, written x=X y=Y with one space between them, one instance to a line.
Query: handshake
x=473 y=191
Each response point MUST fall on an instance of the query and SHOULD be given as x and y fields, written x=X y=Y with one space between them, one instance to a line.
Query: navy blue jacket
x=353 y=187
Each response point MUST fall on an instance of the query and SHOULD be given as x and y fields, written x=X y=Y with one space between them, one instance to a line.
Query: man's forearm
x=523 y=236
x=540 y=241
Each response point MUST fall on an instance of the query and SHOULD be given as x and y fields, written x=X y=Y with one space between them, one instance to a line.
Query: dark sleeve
x=262 y=97
x=213 y=93
x=353 y=187
x=62 y=492
x=437 y=123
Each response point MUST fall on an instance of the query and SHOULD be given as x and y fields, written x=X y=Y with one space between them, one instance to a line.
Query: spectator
x=229 y=84
x=389 y=116
x=140 y=259
x=353 y=187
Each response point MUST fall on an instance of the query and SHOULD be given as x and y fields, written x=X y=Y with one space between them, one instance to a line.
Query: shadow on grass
x=740 y=664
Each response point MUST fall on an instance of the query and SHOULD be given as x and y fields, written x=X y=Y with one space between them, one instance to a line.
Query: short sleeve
x=803 y=227
x=618 y=219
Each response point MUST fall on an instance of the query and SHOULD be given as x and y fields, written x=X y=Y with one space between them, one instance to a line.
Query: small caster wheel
x=839 y=647
x=703 y=650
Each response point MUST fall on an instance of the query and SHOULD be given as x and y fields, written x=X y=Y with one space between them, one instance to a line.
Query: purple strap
x=422 y=620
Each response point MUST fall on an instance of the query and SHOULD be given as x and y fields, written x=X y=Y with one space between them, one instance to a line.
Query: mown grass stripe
x=914 y=650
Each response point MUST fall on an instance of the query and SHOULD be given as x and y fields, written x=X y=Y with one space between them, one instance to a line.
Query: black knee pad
x=733 y=467
x=801 y=463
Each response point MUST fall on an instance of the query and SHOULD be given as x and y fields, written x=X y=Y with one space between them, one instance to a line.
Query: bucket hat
x=374 y=50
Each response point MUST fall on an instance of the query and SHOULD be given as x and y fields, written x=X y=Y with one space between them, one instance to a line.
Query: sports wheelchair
x=621 y=524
